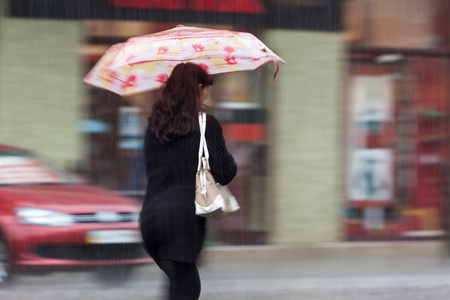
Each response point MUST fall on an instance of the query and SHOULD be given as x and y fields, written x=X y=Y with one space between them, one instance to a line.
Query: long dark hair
x=175 y=113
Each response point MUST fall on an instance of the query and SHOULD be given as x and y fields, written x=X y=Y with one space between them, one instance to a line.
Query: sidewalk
x=333 y=271
x=326 y=249
x=413 y=270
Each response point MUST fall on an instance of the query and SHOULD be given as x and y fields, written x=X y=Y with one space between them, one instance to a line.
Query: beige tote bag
x=212 y=200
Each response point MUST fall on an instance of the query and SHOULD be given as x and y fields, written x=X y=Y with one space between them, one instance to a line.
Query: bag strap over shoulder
x=203 y=147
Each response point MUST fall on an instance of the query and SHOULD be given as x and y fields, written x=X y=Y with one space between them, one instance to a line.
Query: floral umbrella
x=144 y=63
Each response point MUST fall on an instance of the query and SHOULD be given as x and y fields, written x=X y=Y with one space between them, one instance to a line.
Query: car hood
x=67 y=198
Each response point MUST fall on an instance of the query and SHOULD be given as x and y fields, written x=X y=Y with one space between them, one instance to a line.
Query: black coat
x=169 y=226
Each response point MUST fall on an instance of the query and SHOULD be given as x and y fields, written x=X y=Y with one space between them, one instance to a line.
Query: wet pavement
x=364 y=276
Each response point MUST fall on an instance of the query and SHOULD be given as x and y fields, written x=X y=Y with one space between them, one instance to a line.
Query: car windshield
x=24 y=168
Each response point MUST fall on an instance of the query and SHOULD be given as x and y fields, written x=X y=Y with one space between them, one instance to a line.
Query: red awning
x=227 y=6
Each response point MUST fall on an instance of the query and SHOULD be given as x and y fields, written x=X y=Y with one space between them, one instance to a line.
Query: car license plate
x=113 y=236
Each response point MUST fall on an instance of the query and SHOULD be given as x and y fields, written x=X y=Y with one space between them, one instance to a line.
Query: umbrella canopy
x=144 y=63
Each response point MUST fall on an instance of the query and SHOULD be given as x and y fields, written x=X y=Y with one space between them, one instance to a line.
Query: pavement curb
x=325 y=249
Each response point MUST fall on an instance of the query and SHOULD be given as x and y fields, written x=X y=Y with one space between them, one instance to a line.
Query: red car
x=52 y=219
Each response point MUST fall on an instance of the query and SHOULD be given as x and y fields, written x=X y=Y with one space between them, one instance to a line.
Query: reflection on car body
x=52 y=219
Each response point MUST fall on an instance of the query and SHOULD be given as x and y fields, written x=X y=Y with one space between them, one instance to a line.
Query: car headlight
x=43 y=217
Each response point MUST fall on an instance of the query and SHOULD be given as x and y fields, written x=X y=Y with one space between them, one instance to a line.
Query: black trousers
x=184 y=280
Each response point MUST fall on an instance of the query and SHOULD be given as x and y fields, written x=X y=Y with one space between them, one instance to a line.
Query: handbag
x=212 y=200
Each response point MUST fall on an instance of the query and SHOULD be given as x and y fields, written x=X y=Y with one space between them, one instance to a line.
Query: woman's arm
x=223 y=166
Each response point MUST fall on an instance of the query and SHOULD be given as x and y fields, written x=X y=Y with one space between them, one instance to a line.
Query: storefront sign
x=322 y=15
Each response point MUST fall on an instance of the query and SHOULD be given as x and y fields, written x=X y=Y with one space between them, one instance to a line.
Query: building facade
x=290 y=180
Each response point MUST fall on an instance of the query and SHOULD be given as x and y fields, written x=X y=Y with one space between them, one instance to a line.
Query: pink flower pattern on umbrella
x=144 y=63
x=163 y=50
x=111 y=76
x=162 y=78
x=229 y=50
x=198 y=47
x=131 y=82
x=231 y=60
x=204 y=67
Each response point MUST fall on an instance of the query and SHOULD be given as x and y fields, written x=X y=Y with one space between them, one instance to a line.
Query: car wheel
x=115 y=275
x=5 y=264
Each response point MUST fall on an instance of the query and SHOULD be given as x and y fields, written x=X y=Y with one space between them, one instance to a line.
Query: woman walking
x=173 y=235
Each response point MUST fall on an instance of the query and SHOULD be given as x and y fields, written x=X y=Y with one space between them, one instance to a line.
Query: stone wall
x=306 y=143
x=40 y=86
